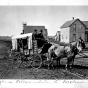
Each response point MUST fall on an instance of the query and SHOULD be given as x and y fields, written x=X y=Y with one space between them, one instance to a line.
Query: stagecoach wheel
x=15 y=60
x=11 y=60
x=37 y=61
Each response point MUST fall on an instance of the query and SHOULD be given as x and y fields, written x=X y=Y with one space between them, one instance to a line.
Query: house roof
x=69 y=23
x=85 y=23
x=30 y=29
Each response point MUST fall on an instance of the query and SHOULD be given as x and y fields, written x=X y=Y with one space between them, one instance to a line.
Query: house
x=30 y=29
x=74 y=29
x=57 y=36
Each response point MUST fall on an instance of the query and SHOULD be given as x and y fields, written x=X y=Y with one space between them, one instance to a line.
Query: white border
x=43 y=83
x=43 y=2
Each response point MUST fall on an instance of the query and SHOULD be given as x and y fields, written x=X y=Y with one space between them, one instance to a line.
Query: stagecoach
x=24 y=49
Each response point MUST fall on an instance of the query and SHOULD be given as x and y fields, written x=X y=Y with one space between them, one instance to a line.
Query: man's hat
x=35 y=30
x=41 y=30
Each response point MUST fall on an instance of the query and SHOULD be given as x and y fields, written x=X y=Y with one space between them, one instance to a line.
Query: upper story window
x=62 y=36
x=74 y=37
x=66 y=36
x=86 y=37
x=80 y=26
x=80 y=35
x=74 y=27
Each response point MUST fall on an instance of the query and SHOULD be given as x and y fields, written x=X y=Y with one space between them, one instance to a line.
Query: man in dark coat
x=41 y=34
x=41 y=39
x=81 y=42
x=34 y=35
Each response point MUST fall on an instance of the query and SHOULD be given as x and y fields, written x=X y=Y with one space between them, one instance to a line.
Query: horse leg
x=59 y=61
x=48 y=61
x=56 y=61
x=52 y=63
x=70 y=66
x=41 y=61
x=66 y=67
x=67 y=64
x=48 y=66
x=73 y=60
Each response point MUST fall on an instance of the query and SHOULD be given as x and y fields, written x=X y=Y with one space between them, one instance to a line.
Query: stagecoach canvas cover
x=14 y=40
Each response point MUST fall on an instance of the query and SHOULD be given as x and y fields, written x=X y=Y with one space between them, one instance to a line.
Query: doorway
x=74 y=37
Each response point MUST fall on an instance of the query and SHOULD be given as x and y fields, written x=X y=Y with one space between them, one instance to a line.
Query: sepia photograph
x=44 y=43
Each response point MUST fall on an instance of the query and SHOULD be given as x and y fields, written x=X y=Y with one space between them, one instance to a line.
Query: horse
x=55 y=51
x=69 y=51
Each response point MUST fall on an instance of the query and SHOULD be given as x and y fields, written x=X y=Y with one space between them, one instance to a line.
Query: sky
x=51 y=16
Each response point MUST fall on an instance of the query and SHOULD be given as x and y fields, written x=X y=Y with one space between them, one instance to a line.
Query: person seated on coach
x=41 y=39
x=40 y=35
x=34 y=35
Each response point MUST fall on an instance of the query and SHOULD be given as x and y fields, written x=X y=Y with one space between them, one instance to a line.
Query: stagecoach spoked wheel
x=37 y=61
x=15 y=60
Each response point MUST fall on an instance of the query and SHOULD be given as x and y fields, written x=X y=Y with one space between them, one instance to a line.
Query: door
x=86 y=37
x=74 y=37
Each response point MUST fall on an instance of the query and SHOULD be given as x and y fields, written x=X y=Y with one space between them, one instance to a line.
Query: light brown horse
x=57 y=52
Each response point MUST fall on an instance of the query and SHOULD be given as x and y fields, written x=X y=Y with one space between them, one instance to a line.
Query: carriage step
x=35 y=48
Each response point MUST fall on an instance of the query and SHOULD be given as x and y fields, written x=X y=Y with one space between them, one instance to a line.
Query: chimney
x=24 y=24
x=72 y=18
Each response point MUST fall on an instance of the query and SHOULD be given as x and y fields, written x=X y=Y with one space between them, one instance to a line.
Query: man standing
x=81 y=43
x=34 y=35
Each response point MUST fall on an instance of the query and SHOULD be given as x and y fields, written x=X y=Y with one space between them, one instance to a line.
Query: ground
x=10 y=71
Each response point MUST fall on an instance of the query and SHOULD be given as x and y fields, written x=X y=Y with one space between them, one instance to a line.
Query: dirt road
x=7 y=72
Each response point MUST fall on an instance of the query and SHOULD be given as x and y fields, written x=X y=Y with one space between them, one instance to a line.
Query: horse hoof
x=56 y=65
x=70 y=67
x=48 y=68
x=53 y=67
x=66 y=69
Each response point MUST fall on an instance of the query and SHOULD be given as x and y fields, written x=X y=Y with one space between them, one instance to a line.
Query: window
x=74 y=37
x=62 y=36
x=59 y=37
x=80 y=26
x=66 y=36
x=80 y=35
x=86 y=37
x=74 y=27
